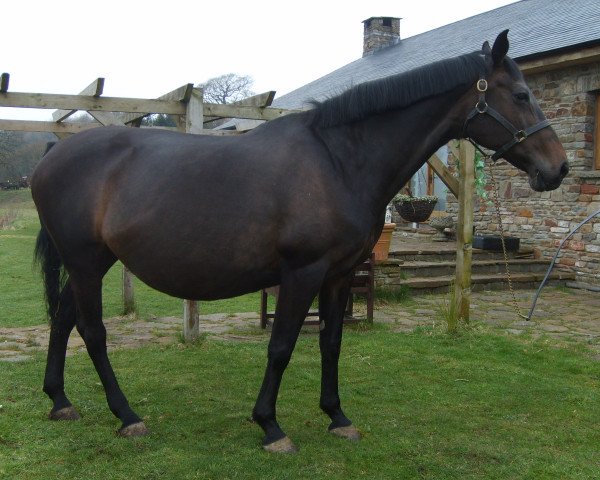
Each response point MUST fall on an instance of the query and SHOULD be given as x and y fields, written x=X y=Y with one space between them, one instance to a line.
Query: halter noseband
x=482 y=108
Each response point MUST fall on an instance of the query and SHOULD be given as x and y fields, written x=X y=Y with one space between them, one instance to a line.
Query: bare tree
x=227 y=88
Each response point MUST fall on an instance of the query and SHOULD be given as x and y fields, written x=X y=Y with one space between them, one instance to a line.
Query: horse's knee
x=279 y=356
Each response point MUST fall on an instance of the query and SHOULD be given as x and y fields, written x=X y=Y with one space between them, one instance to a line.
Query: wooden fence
x=186 y=106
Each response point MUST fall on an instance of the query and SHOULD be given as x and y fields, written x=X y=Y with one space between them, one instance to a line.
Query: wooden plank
x=106 y=118
x=191 y=320
x=39 y=126
x=94 y=89
x=128 y=292
x=464 y=235
x=561 y=60
x=243 y=111
x=194 y=122
x=443 y=172
x=88 y=102
x=181 y=94
x=261 y=100
x=4 y=80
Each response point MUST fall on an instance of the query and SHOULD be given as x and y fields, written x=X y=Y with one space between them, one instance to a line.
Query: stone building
x=557 y=46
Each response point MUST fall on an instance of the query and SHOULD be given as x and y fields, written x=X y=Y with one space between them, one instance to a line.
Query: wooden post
x=194 y=123
x=128 y=292
x=464 y=235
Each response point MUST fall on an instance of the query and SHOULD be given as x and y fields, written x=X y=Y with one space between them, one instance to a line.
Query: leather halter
x=482 y=108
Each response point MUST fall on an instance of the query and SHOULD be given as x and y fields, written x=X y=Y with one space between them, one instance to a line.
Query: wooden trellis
x=186 y=106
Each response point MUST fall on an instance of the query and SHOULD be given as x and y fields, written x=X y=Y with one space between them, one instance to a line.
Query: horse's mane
x=398 y=91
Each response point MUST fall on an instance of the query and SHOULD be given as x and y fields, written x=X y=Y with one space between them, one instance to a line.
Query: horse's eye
x=521 y=97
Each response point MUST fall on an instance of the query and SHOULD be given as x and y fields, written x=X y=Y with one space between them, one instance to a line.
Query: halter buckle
x=520 y=136
x=481 y=106
x=482 y=85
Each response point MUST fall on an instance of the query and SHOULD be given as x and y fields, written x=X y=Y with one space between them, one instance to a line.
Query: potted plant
x=414 y=209
x=382 y=247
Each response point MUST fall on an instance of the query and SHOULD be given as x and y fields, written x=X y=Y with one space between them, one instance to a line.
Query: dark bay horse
x=298 y=202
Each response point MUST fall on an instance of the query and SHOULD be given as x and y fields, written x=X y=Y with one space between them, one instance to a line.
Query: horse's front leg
x=297 y=290
x=333 y=299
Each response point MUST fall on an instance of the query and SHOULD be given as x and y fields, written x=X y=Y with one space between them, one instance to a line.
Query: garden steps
x=423 y=266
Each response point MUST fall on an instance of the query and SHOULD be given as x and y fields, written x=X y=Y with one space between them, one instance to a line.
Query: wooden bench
x=363 y=284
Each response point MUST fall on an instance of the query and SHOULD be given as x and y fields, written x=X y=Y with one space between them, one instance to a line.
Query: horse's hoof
x=66 y=413
x=350 y=432
x=283 y=445
x=138 y=429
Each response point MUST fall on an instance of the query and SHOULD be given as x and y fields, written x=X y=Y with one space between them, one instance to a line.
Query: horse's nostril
x=564 y=169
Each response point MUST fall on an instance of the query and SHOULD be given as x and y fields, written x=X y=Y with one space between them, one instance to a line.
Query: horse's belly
x=204 y=277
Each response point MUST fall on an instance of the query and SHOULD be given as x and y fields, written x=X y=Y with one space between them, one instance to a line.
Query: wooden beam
x=560 y=60
x=194 y=122
x=4 y=80
x=443 y=172
x=464 y=234
x=242 y=111
x=260 y=100
x=106 y=118
x=194 y=119
x=88 y=102
x=181 y=94
x=94 y=89
x=39 y=126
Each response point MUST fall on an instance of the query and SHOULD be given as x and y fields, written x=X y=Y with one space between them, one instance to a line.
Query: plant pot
x=415 y=210
x=381 y=249
x=494 y=243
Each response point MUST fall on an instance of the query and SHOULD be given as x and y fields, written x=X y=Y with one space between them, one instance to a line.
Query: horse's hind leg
x=87 y=288
x=332 y=304
x=54 y=380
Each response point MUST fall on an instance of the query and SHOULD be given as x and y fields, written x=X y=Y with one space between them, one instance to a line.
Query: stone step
x=447 y=255
x=435 y=269
x=496 y=281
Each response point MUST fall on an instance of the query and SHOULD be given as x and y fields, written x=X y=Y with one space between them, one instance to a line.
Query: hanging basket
x=414 y=209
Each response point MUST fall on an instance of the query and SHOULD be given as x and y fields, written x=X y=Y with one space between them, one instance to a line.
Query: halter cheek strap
x=482 y=108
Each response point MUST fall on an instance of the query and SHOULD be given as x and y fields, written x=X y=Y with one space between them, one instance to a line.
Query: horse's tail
x=53 y=273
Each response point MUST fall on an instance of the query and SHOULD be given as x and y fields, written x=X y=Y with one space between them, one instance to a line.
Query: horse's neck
x=383 y=152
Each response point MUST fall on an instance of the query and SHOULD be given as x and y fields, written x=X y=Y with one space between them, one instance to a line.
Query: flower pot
x=416 y=209
x=382 y=247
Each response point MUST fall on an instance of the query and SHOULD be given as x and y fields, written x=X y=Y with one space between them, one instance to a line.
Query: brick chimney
x=380 y=32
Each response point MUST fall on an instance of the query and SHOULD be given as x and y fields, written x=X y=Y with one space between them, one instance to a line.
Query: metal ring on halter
x=482 y=85
x=481 y=106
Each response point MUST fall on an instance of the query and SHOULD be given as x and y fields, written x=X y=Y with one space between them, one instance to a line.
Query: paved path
x=562 y=314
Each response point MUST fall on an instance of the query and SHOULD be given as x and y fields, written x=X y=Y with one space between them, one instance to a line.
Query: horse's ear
x=500 y=48
x=486 y=48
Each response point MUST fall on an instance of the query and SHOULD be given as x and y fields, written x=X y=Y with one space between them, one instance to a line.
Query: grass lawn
x=429 y=406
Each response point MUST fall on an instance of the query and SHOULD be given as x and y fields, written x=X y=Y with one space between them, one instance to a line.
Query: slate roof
x=537 y=28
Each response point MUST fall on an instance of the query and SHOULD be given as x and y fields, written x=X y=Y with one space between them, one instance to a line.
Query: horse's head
x=507 y=119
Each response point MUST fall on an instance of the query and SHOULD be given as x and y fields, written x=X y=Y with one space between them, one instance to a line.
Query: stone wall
x=543 y=219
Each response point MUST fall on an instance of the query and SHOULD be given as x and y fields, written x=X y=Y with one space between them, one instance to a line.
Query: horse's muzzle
x=545 y=181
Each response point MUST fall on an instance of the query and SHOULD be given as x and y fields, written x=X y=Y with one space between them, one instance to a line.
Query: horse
x=297 y=202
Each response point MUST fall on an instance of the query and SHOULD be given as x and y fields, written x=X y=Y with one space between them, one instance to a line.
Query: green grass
x=22 y=290
x=428 y=405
